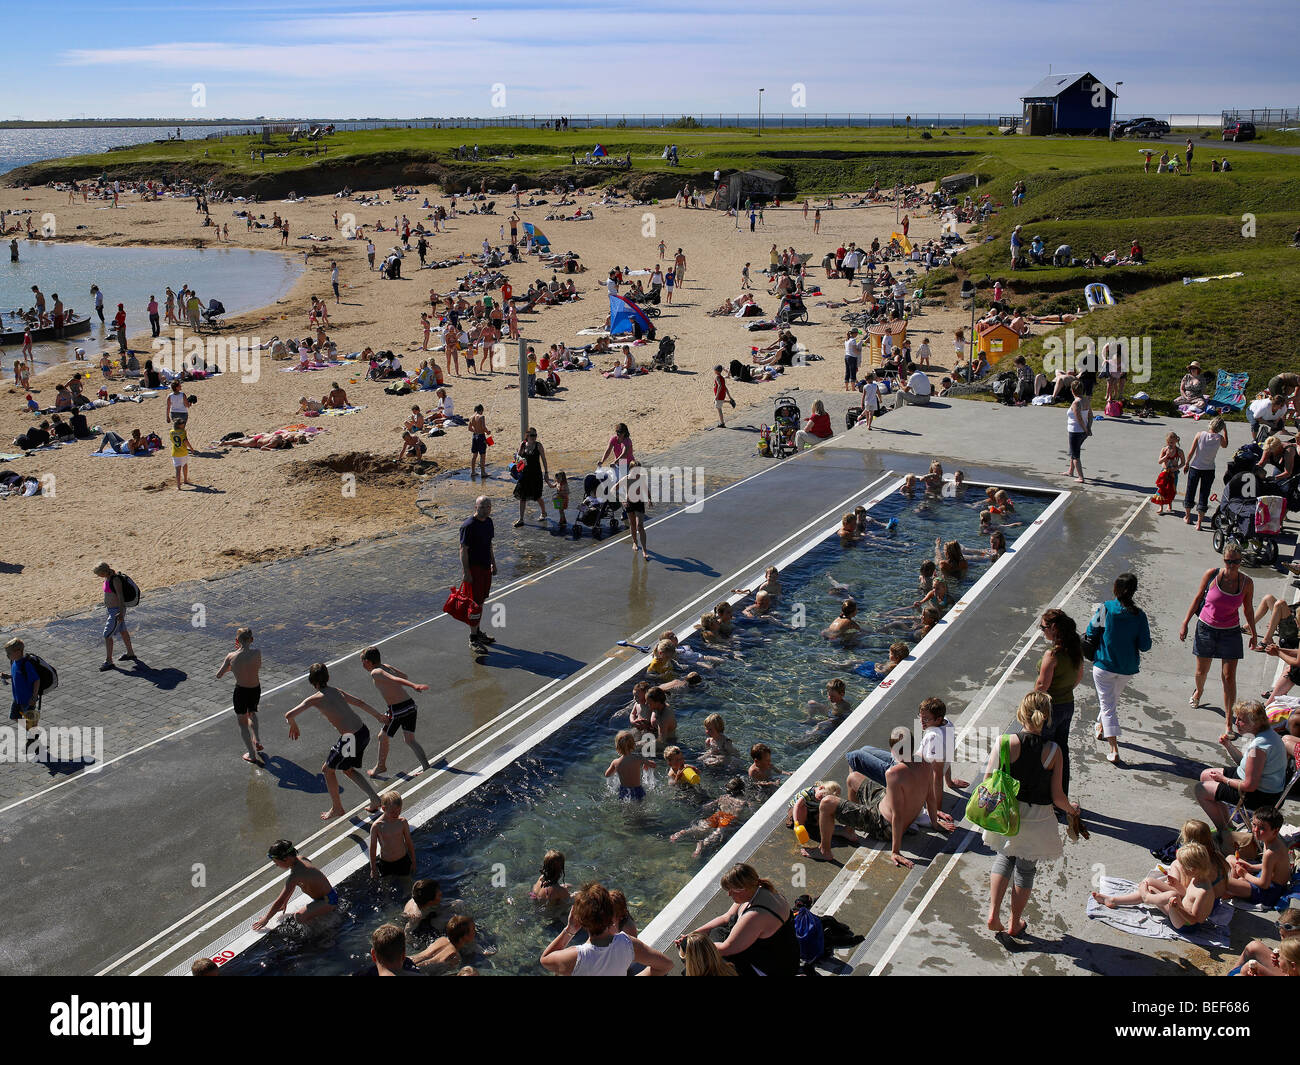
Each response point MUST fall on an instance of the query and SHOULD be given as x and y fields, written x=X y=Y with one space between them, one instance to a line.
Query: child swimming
x=662 y=661
x=549 y=887
x=628 y=766
x=844 y=625
x=938 y=597
x=762 y=771
x=718 y=749
x=725 y=811
x=771 y=584
x=678 y=771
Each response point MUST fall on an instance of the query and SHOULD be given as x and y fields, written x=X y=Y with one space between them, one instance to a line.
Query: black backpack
x=543 y=387
x=48 y=675
x=130 y=591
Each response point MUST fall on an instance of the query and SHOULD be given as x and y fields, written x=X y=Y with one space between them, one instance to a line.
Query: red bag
x=460 y=605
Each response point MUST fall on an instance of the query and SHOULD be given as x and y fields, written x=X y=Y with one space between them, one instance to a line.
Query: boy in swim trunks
x=726 y=809
x=478 y=440
x=762 y=771
x=1266 y=881
x=663 y=722
x=302 y=874
x=628 y=766
x=402 y=710
x=246 y=664
x=345 y=756
x=392 y=851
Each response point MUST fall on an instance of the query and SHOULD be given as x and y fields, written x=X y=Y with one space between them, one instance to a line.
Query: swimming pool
x=485 y=849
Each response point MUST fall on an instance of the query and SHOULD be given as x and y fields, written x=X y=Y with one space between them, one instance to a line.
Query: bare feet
x=253 y=761
x=378 y=771
x=1018 y=931
x=699 y=849
x=1105 y=900
x=333 y=812
x=995 y=923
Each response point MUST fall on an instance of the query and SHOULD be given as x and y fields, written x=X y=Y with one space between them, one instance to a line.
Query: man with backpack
x=120 y=592
x=27 y=685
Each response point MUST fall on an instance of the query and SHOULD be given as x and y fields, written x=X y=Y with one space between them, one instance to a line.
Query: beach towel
x=9 y=458
x=1229 y=391
x=1212 y=277
x=339 y=411
x=121 y=455
x=1152 y=924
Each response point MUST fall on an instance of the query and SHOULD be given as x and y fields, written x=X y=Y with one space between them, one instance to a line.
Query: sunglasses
x=1232 y=562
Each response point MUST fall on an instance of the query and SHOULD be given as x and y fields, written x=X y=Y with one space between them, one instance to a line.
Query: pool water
x=243 y=280
x=485 y=850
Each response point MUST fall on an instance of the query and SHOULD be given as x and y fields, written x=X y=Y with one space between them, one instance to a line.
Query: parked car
x=1239 y=131
x=1148 y=127
x=1121 y=128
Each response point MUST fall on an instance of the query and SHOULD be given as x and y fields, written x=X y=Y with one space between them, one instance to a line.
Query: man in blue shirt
x=26 y=687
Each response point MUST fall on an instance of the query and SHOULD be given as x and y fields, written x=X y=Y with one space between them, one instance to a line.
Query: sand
x=252 y=506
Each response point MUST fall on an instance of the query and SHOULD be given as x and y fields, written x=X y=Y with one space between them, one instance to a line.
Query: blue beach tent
x=539 y=238
x=626 y=317
x=599 y=151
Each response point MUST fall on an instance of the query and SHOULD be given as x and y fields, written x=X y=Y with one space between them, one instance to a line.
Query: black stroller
x=1254 y=523
x=598 y=505
x=785 y=423
x=650 y=296
x=664 y=358
x=792 y=310
x=213 y=312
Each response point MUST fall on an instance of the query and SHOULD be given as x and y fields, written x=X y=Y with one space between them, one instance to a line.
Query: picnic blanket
x=1152 y=924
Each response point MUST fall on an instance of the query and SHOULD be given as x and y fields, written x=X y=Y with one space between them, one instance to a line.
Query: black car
x=1148 y=127
x=1239 y=131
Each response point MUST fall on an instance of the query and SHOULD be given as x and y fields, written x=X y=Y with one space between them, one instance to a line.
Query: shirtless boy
x=346 y=755
x=402 y=710
x=246 y=664
x=302 y=874
x=1268 y=880
x=392 y=851
x=478 y=440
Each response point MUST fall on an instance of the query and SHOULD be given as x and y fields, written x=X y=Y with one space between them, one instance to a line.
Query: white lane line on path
x=513 y=586
x=428 y=779
x=846 y=880
x=1029 y=640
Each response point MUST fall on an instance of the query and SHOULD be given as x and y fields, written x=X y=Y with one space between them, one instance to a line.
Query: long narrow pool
x=485 y=850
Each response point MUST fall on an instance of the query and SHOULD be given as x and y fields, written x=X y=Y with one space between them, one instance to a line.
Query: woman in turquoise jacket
x=1124 y=635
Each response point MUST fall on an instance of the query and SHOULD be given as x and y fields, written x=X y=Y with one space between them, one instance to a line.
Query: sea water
x=242 y=279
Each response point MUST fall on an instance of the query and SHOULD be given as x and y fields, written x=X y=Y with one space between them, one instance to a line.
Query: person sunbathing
x=280 y=438
x=310 y=406
x=336 y=398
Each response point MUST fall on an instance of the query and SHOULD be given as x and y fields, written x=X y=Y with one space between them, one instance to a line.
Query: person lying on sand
x=281 y=438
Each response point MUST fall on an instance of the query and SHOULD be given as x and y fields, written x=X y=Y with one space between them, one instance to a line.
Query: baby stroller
x=785 y=423
x=651 y=296
x=792 y=310
x=1255 y=524
x=646 y=307
x=663 y=358
x=598 y=504
x=214 y=310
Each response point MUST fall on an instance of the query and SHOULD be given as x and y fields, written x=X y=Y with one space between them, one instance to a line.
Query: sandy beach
x=253 y=505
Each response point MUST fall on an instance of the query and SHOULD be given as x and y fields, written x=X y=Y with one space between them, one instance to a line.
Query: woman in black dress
x=533 y=475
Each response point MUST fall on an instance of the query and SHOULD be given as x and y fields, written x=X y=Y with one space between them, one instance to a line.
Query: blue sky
x=355 y=58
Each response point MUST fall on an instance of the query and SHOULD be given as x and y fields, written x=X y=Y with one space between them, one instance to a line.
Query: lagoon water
x=241 y=279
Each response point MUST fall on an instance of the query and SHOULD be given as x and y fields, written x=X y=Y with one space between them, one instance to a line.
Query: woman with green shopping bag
x=1035 y=765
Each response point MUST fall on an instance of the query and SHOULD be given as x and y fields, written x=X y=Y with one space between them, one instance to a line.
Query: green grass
x=1088 y=192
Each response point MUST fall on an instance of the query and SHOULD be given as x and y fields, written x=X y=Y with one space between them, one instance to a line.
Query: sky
x=363 y=58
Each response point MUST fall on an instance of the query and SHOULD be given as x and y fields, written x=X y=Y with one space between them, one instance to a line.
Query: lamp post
x=760 y=109
x=1113 y=114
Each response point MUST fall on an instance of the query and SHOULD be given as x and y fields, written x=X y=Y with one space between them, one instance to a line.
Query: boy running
x=345 y=756
x=401 y=708
x=246 y=664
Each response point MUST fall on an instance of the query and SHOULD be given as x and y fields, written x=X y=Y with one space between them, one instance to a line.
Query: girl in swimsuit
x=726 y=809
x=550 y=887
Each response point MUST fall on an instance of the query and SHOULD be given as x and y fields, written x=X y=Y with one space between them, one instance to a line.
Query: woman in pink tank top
x=1219 y=601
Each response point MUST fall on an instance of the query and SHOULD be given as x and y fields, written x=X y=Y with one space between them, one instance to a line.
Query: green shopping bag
x=994 y=804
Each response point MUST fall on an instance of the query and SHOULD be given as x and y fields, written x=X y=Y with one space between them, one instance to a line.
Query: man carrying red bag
x=479 y=564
